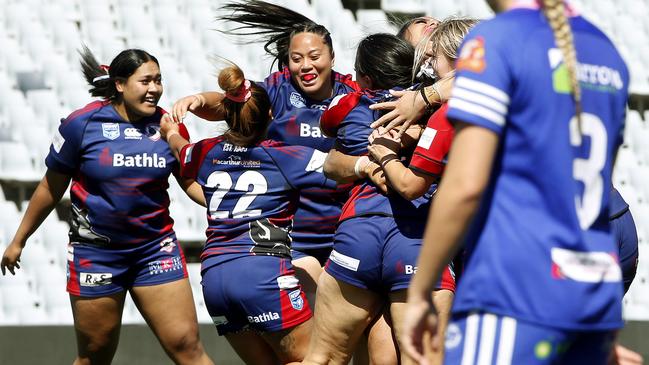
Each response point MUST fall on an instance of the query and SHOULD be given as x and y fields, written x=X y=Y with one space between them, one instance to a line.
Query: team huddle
x=458 y=188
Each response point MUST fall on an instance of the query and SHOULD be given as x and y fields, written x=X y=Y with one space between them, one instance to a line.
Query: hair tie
x=242 y=94
x=99 y=78
x=104 y=68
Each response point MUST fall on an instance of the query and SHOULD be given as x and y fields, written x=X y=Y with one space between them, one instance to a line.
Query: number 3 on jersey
x=589 y=170
x=221 y=181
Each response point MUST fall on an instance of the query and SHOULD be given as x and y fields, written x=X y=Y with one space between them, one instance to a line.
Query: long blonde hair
x=446 y=37
x=555 y=12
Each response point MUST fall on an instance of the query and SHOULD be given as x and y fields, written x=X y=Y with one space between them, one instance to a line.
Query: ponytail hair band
x=104 y=68
x=242 y=94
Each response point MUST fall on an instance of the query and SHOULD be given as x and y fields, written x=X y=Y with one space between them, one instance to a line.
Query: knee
x=185 y=343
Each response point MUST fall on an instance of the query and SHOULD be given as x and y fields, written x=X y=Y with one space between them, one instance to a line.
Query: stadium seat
x=16 y=163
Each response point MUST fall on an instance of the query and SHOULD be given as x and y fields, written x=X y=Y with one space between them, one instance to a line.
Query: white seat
x=131 y=315
x=374 y=21
x=16 y=163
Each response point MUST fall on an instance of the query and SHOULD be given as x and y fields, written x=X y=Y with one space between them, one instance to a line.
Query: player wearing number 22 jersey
x=540 y=249
x=252 y=194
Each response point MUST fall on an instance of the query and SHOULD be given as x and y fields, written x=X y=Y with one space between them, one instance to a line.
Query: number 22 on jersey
x=221 y=181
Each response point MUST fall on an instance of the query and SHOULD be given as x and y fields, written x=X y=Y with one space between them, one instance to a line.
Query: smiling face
x=140 y=92
x=310 y=62
x=441 y=64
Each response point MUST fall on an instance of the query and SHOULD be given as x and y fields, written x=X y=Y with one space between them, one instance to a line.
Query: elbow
x=470 y=191
x=410 y=193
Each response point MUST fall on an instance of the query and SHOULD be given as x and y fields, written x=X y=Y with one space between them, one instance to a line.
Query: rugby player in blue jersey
x=252 y=186
x=121 y=237
x=526 y=191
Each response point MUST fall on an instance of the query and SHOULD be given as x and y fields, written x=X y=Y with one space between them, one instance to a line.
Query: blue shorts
x=485 y=338
x=378 y=253
x=254 y=292
x=97 y=271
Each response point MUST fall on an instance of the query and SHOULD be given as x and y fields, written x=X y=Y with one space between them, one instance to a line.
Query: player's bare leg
x=97 y=322
x=252 y=348
x=172 y=321
x=342 y=313
x=290 y=345
x=308 y=270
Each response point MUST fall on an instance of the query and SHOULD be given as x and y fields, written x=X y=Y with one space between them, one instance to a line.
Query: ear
x=333 y=59
x=119 y=85
x=367 y=81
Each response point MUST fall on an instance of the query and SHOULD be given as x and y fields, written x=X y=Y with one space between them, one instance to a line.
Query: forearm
x=340 y=167
x=176 y=143
x=209 y=105
x=47 y=194
x=193 y=190
x=406 y=182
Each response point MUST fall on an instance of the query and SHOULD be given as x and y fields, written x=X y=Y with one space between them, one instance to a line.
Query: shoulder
x=278 y=77
x=345 y=81
x=83 y=115
x=339 y=108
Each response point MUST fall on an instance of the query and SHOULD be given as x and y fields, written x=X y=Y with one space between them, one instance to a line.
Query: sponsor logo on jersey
x=297 y=100
x=95 y=279
x=471 y=56
x=588 y=267
x=110 y=130
x=322 y=107
x=306 y=130
x=593 y=77
x=235 y=160
x=410 y=269
x=165 y=265
x=57 y=141
x=426 y=139
x=132 y=133
x=167 y=245
x=139 y=160
x=264 y=317
x=453 y=336
x=227 y=147
x=317 y=161
x=297 y=302
x=152 y=131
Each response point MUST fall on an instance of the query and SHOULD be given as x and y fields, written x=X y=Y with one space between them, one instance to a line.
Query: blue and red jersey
x=431 y=153
x=540 y=247
x=349 y=118
x=296 y=122
x=120 y=173
x=251 y=194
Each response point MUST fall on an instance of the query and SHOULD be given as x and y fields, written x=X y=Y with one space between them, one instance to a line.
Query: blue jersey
x=120 y=173
x=540 y=247
x=349 y=118
x=295 y=122
x=251 y=193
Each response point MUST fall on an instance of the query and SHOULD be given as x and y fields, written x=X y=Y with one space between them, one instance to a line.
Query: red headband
x=242 y=94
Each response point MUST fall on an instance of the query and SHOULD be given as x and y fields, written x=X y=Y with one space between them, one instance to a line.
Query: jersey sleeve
x=65 y=150
x=340 y=107
x=192 y=156
x=273 y=83
x=301 y=166
x=482 y=89
x=430 y=154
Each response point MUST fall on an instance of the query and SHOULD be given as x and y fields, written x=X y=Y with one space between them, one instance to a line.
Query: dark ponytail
x=102 y=78
x=386 y=59
x=277 y=26
x=248 y=119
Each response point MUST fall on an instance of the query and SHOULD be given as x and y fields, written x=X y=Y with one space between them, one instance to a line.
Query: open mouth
x=151 y=100
x=309 y=78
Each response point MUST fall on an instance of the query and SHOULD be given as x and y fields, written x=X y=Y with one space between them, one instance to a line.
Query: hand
x=390 y=139
x=623 y=356
x=11 y=258
x=420 y=318
x=377 y=176
x=182 y=106
x=379 y=151
x=406 y=110
x=167 y=126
